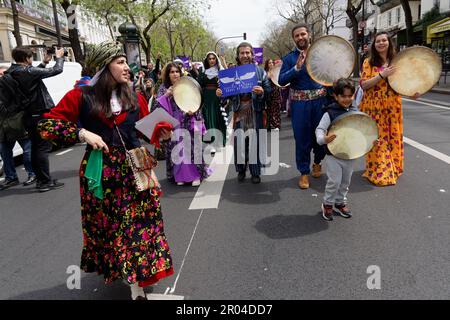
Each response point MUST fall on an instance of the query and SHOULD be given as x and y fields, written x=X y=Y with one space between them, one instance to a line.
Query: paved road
x=263 y=242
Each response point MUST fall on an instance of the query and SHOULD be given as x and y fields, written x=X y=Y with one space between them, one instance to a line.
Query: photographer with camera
x=36 y=102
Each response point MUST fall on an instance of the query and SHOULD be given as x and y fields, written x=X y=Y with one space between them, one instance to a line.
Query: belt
x=245 y=99
x=212 y=86
x=302 y=95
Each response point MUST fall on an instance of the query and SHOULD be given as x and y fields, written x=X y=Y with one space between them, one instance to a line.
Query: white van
x=57 y=87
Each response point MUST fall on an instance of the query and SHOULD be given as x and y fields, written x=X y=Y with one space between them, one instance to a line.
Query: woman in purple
x=187 y=168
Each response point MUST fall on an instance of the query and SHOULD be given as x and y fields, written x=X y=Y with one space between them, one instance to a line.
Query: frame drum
x=355 y=134
x=275 y=74
x=330 y=58
x=418 y=70
x=187 y=94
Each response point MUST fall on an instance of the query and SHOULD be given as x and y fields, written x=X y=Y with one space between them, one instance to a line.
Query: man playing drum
x=307 y=98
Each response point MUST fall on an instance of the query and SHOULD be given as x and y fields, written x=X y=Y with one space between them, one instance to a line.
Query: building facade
x=438 y=32
x=37 y=27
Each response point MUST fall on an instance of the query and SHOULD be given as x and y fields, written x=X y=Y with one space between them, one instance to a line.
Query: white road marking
x=428 y=150
x=172 y=290
x=156 y=296
x=64 y=152
x=209 y=193
x=427 y=104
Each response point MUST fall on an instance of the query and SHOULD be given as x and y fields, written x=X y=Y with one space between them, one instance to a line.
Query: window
x=399 y=15
x=389 y=18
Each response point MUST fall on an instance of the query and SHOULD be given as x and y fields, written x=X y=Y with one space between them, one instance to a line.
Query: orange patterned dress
x=384 y=163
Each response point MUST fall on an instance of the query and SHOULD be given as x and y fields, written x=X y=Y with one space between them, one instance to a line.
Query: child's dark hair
x=341 y=84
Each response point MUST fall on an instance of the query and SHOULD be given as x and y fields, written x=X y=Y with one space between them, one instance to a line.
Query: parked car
x=57 y=86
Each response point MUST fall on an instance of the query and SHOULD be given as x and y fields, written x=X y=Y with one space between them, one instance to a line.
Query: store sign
x=445 y=26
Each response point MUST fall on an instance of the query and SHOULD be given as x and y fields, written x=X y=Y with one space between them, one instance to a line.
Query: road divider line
x=172 y=289
x=64 y=152
x=427 y=104
x=431 y=152
x=209 y=193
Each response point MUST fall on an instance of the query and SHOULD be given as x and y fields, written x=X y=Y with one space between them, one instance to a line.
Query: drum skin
x=330 y=58
x=418 y=70
x=187 y=94
x=355 y=134
x=275 y=74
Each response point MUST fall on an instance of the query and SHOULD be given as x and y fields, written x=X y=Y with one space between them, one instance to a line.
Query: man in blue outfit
x=307 y=98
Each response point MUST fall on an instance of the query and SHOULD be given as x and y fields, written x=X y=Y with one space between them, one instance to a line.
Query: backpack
x=13 y=103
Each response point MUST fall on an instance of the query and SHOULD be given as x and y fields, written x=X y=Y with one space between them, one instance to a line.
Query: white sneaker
x=196 y=183
x=276 y=129
x=180 y=183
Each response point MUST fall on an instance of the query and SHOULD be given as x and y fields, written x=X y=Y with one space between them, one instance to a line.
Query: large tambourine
x=355 y=134
x=330 y=58
x=275 y=74
x=418 y=70
x=187 y=94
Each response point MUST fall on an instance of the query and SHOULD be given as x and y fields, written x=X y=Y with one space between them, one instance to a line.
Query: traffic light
x=245 y=35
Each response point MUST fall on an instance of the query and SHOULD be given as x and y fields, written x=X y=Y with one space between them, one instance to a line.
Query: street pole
x=57 y=26
x=243 y=36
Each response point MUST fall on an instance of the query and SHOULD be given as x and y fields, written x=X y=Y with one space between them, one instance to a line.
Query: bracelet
x=81 y=134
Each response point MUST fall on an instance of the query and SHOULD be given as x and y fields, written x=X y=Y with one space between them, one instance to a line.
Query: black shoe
x=343 y=210
x=241 y=176
x=327 y=212
x=9 y=183
x=256 y=179
x=44 y=187
x=141 y=298
x=30 y=181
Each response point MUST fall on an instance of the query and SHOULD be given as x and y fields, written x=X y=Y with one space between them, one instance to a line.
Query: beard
x=302 y=45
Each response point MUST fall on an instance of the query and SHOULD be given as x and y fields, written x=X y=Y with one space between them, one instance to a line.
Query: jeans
x=6 y=151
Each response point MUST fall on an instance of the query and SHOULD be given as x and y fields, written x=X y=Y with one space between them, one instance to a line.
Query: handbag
x=142 y=163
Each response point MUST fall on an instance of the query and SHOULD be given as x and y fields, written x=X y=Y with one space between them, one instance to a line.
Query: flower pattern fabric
x=384 y=163
x=123 y=235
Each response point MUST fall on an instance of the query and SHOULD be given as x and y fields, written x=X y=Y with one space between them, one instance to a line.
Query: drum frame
x=345 y=115
x=308 y=68
x=399 y=55
x=196 y=85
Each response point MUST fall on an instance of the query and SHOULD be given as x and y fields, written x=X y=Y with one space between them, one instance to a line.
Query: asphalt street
x=264 y=241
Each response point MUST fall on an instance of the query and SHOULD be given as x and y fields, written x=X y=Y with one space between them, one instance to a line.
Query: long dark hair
x=102 y=92
x=266 y=64
x=374 y=57
x=166 y=73
x=206 y=61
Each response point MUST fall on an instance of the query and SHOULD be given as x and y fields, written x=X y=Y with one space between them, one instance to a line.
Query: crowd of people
x=123 y=230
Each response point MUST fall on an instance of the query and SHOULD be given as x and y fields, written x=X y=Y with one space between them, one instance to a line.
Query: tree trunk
x=57 y=26
x=351 y=13
x=73 y=30
x=408 y=21
x=16 y=31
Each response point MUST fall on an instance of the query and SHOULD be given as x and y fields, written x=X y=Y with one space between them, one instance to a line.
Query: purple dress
x=189 y=165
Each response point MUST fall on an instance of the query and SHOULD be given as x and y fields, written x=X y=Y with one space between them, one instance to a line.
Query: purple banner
x=185 y=62
x=238 y=80
x=259 y=55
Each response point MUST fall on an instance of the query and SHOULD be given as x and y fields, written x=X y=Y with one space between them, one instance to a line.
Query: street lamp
x=244 y=35
x=131 y=42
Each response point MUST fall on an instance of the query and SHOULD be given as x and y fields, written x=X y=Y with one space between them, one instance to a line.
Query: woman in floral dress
x=123 y=233
x=384 y=163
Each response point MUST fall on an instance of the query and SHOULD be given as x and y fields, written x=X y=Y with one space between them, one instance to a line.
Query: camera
x=52 y=50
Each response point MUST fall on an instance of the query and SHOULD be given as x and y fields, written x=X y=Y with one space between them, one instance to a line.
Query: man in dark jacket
x=40 y=102
x=11 y=130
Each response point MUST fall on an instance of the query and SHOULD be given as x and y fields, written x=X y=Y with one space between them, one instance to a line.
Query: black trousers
x=40 y=150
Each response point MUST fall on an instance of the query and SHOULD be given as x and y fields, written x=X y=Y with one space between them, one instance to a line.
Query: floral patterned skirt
x=123 y=234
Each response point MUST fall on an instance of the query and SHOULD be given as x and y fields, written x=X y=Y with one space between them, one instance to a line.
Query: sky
x=234 y=17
